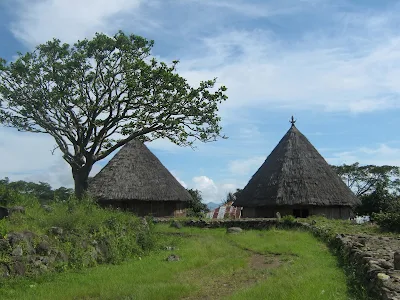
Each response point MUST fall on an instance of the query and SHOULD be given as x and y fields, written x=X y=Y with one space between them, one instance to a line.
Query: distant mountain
x=212 y=205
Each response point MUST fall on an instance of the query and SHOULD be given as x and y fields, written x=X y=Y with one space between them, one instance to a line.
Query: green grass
x=347 y=227
x=274 y=264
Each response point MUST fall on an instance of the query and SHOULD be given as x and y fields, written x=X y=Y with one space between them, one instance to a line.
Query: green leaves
x=365 y=179
x=96 y=95
x=378 y=187
x=196 y=208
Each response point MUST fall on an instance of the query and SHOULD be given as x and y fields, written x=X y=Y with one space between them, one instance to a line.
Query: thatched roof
x=295 y=173
x=135 y=173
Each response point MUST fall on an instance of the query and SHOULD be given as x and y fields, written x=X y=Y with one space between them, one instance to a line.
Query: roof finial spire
x=292 y=120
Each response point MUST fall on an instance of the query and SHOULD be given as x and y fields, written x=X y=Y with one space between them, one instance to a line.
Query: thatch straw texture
x=135 y=173
x=295 y=174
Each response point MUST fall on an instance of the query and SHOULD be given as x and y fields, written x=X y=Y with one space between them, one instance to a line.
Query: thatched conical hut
x=296 y=180
x=135 y=180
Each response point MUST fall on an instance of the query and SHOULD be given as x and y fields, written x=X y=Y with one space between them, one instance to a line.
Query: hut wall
x=331 y=212
x=150 y=208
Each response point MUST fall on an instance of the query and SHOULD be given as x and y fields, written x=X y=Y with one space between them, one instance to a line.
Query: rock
x=384 y=264
x=28 y=235
x=47 y=260
x=173 y=257
x=358 y=245
x=176 y=224
x=362 y=241
x=278 y=215
x=4 y=245
x=374 y=268
x=17 y=251
x=47 y=208
x=93 y=254
x=18 y=268
x=102 y=249
x=61 y=256
x=14 y=238
x=145 y=224
x=84 y=244
x=43 y=248
x=4 y=270
x=366 y=259
x=16 y=209
x=56 y=230
x=234 y=230
x=396 y=260
x=383 y=276
x=3 y=212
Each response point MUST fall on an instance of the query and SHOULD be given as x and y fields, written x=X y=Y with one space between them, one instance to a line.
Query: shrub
x=288 y=219
x=196 y=208
x=90 y=234
x=388 y=221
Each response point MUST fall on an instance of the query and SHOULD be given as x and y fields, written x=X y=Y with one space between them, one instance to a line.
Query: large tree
x=231 y=197
x=366 y=179
x=378 y=187
x=96 y=95
x=196 y=206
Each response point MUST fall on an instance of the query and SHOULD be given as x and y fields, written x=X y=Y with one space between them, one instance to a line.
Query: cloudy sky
x=333 y=64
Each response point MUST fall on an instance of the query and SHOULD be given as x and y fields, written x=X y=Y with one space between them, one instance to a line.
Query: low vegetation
x=386 y=224
x=68 y=235
x=274 y=264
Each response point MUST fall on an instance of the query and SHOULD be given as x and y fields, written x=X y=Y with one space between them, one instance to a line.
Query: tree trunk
x=81 y=176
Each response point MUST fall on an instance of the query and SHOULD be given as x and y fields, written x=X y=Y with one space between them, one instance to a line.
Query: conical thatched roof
x=295 y=174
x=135 y=173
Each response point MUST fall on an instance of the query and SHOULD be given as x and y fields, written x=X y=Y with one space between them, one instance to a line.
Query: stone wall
x=27 y=253
x=330 y=212
x=370 y=257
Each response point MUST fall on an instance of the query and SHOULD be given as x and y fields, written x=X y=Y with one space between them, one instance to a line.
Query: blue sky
x=334 y=65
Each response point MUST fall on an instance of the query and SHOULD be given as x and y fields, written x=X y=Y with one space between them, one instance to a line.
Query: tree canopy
x=378 y=187
x=42 y=190
x=96 y=95
x=196 y=207
x=365 y=179
x=231 y=197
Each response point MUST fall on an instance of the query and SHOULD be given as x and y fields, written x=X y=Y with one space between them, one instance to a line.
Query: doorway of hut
x=300 y=213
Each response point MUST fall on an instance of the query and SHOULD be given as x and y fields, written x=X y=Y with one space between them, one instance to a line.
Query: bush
x=388 y=221
x=288 y=219
x=90 y=234
x=196 y=208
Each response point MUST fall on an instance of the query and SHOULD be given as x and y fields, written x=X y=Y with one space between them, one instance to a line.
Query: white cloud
x=255 y=10
x=206 y=185
x=25 y=152
x=379 y=155
x=165 y=145
x=212 y=191
x=267 y=73
x=69 y=20
x=27 y=156
x=246 y=166
x=175 y=174
x=353 y=68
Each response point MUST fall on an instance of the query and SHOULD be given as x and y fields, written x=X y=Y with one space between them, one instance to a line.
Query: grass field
x=274 y=264
x=348 y=227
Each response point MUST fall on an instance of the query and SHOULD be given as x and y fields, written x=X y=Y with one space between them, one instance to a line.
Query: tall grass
x=213 y=265
x=90 y=234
